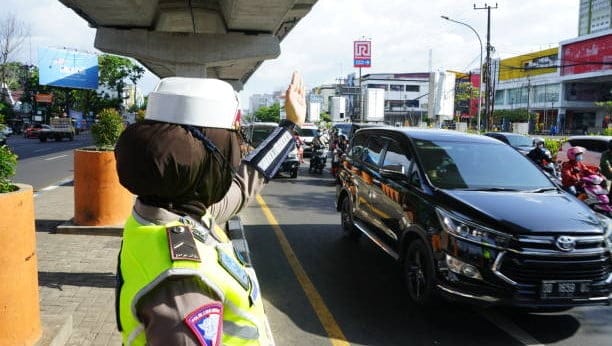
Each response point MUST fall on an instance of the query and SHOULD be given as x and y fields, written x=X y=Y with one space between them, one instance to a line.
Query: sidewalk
x=76 y=275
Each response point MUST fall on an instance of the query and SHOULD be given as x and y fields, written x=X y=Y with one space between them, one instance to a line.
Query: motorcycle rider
x=317 y=161
x=605 y=164
x=541 y=156
x=573 y=170
x=340 y=147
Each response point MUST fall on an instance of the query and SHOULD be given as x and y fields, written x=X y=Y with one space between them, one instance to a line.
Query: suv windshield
x=465 y=165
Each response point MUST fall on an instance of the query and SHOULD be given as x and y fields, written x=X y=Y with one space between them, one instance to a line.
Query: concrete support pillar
x=188 y=54
x=185 y=70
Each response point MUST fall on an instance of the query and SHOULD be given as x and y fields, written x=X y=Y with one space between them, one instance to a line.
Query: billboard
x=362 y=53
x=441 y=98
x=67 y=68
x=374 y=104
x=532 y=64
x=587 y=56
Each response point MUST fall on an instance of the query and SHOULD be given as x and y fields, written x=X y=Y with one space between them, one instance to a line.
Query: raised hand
x=295 y=102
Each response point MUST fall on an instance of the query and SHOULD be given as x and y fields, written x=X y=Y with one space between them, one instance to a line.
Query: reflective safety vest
x=145 y=261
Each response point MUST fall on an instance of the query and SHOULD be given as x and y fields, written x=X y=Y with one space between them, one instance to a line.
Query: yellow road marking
x=315 y=299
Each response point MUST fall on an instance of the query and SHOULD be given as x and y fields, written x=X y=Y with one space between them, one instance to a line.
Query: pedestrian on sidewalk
x=179 y=279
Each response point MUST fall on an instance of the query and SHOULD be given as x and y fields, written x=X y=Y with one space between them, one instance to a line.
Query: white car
x=307 y=133
x=7 y=131
x=594 y=145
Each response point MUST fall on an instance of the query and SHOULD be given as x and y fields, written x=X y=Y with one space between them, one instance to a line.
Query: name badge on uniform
x=181 y=244
x=234 y=268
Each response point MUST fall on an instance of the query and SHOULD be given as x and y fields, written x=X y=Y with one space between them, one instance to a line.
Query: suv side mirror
x=414 y=179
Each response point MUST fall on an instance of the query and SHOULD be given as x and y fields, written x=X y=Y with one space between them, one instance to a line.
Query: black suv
x=471 y=218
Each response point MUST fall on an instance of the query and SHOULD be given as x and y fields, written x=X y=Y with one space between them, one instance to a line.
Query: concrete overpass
x=224 y=39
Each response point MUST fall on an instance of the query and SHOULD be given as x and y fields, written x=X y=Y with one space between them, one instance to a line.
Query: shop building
x=560 y=86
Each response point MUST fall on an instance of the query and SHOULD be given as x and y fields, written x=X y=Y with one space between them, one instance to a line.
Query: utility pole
x=487 y=69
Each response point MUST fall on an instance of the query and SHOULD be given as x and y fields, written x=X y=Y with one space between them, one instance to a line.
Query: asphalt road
x=322 y=288
x=43 y=164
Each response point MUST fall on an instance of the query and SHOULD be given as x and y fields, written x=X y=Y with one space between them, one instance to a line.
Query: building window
x=396 y=87
x=413 y=88
x=378 y=86
x=412 y=103
x=499 y=97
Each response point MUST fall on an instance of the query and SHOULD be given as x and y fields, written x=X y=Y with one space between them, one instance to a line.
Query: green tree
x=115 y=70
x=607 y=105
x=106 y=130
x=13 y=32
x=326 y=117
x=268 y=114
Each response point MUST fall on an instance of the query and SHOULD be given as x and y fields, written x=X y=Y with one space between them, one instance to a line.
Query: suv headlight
x=468 y=230
x=606 y=223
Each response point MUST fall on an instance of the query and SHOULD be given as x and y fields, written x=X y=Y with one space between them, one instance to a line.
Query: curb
x=69 y=227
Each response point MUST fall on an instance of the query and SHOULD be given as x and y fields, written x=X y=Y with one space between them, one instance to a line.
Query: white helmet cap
x=202 y=102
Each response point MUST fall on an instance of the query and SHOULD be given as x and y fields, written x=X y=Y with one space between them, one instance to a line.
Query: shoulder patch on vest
x=181 y=244
x=206 y=323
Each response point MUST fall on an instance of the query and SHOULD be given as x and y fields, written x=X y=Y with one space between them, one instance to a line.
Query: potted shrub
x=19 y=303
x=99 y=198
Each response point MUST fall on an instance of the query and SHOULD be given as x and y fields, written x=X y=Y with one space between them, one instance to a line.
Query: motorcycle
x=595 y=195
x=318 y=160
x=553 y=169
x=335 y=166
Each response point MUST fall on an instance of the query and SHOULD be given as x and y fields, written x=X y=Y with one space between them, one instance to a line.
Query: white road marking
x=510 y=328
x=53 y=187
x=55 y=157
x=39 y=150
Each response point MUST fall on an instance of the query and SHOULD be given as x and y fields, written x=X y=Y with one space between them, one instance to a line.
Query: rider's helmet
x=538 y=140
x=343 y=138
x=573 y=151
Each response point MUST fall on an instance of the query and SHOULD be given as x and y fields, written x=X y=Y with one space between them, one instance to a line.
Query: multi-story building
x=594 y=16
x=560 y=86
x=406 y=95
x=257 y=101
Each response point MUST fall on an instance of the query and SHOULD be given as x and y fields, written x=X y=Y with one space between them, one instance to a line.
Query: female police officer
x=179 y=279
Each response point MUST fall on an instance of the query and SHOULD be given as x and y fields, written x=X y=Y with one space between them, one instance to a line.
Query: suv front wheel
x=419 y=273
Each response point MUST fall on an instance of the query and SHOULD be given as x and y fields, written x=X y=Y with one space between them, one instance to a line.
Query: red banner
x=587 y=56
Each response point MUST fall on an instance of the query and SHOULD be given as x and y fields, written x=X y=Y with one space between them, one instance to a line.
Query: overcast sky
x=404 y=34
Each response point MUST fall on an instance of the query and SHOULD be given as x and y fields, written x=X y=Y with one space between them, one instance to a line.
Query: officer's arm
x=166 y=309
x=263 y=162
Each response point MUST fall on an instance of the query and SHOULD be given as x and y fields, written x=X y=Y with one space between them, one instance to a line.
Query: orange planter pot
x=99 y=198
x=19 y=303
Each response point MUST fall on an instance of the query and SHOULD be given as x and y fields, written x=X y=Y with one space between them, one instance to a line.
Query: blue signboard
x=67 y=68
x=361 y=63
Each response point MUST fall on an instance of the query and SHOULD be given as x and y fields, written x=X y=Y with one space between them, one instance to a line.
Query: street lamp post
x=480 y=84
